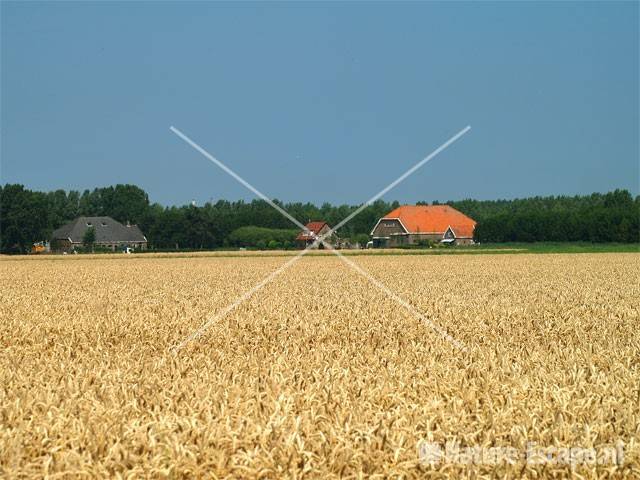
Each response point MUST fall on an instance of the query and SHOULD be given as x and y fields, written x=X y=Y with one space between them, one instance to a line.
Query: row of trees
x=609 y=217
x=261 y=237
x=27 y=216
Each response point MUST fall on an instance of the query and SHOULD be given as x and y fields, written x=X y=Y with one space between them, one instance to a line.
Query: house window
x=104 y=224
x=89 y=224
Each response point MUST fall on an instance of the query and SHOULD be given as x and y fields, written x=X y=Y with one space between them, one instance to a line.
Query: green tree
x=360 y=238
x=260 y=237
x=23 y=218
x=89 y=238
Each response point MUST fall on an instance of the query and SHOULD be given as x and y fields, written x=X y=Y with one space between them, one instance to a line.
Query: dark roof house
x=109 y=233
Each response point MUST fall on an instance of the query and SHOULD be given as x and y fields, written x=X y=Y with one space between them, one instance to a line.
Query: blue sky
x=322 y=101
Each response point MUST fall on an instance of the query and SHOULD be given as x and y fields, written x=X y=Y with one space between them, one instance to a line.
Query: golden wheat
x=319 y=374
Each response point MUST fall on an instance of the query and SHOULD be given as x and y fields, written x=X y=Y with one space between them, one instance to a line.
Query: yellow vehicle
x=39 y=247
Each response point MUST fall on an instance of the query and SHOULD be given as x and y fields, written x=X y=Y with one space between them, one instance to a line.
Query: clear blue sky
x=322 y=102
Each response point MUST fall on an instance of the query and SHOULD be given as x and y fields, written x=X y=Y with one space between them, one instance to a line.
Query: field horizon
x=477 y=249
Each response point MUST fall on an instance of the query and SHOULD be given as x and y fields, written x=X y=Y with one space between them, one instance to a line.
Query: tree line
x=28 y=216
x=598 y=218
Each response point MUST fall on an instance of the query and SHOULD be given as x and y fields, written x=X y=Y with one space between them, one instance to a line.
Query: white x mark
x=320 y=239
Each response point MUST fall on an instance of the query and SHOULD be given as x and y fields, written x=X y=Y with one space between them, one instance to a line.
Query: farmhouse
x=410 y=224
x=109 y=234
x=315 y=230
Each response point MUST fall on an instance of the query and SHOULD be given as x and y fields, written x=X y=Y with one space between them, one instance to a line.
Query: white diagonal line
x=237 y=177
x=400 y=178
x=244 y=297
x=318 y=240
x=391 y=294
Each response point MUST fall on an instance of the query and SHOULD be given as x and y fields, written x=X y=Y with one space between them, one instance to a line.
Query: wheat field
x=318 y=375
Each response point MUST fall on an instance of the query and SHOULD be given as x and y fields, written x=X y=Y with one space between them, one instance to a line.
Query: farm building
x=109 y=234
x=315 y=230
x=408 y=224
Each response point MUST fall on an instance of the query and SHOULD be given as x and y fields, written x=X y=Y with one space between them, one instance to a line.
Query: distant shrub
x=261 y=237
x=274 y=245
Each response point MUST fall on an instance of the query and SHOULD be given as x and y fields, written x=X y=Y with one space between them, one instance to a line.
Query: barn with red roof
x=314 y=230
x=411 y=224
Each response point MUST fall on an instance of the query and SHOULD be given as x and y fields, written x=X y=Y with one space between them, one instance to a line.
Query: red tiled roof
x=314 y=228
x=433 y=219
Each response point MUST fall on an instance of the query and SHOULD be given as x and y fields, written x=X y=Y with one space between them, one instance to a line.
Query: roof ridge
x=110 y=231
x=432 y=219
